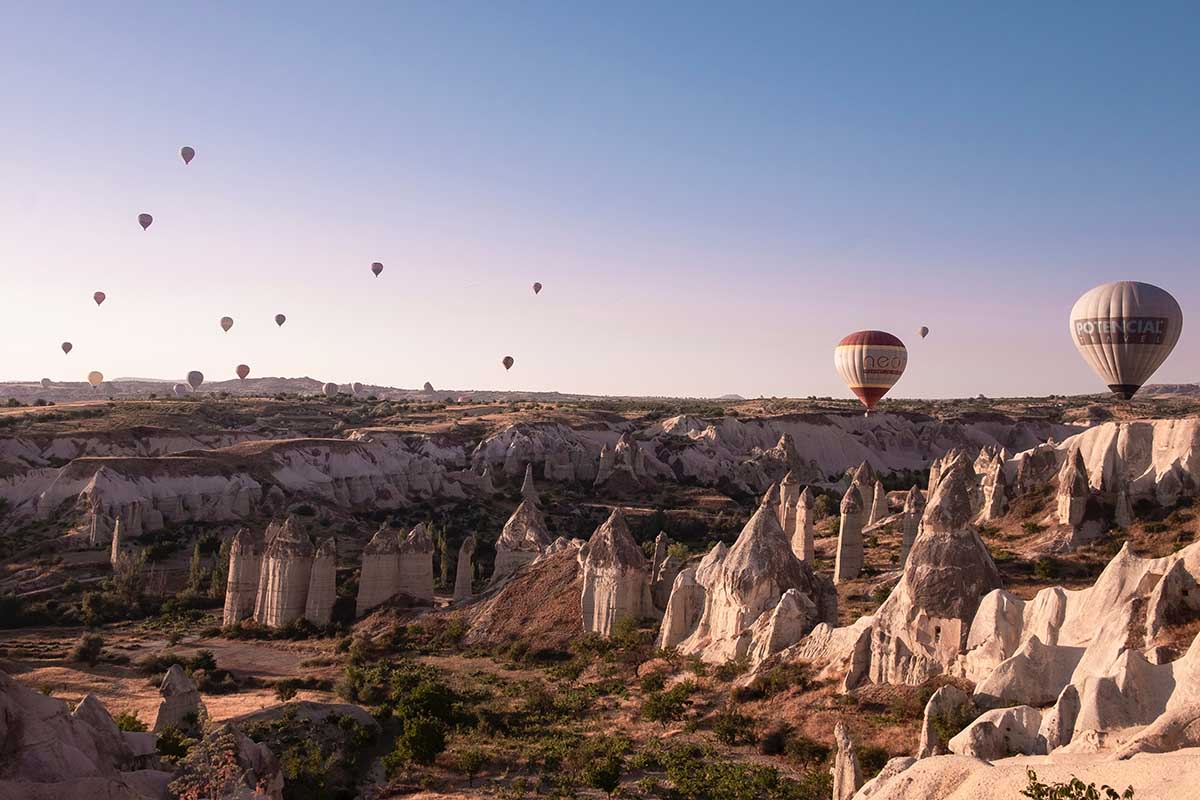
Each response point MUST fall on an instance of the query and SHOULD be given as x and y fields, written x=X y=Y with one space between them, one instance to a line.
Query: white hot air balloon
x=95 y=378
x=1125 y=331
x=330 y=389
x=870 y=362
x=195 y=378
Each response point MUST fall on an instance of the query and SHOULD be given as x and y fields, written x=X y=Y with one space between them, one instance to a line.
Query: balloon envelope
x=195 y=378
x=144 y=220
x=181 y=389
x=187 y=154
x=330 y=389
x=1125 y=331
x=377 y=268
x=508 y=362
x=923 y=331
x=537 y=287
x=226 y=323
x=45 y=383
x=357 y=387
x=870 y=362
x=95 y=378
x=428 y=387
x=67 y=347
x=280 y=319
x=99 y=297
x=242 y=371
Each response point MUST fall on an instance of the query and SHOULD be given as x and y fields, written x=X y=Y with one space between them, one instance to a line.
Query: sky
x=712 y=194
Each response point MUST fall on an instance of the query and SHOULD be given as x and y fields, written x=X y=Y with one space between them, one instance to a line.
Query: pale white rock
x=529 y=491
x=241 y=583
x=487 y=484
x=523 y=539
x=802 y=535
x=416 y=564
x=849 y=561
x=910 y=521
x=947 y=702
x=789 y=495
x=847 y=774
x=664 y=581
x=624 y=468
x=118 y=543
x=283 y=582
x=879 y=504
x=793 y=616
x=1034 y=675
x=891 y=769
x=322 y=584
x=995 y=635
x=465 y=571
x=1173 y=730
x=1000 y=733
x=181 y=706
x=1058 y=722
x=616 y=578
x=683 y=610
x=661 y=543
x=379 y=578
x=1073 y=491
x=1174 y=600
x=995 y=491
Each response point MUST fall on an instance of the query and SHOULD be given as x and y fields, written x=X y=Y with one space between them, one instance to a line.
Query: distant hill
x=731 y=397
x=1171 y=388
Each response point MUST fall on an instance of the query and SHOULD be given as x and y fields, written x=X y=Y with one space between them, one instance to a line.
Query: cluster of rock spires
x=279 y=577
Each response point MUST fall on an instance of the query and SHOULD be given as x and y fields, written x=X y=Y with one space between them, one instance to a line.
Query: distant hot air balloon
x=923 y=331
x=357 y=387
x=99 y=297
x=330 y=389
x=67 y=347
x=377 y=268
x=508 y=362
x=870 y=362
x=95 y=378
x=226 y=323
x=428 y=387
x=280 y=319
x=187 y=154
x=181 y=389
x=195 y=378
x=46 y=383
x=242 y=371
x=1125 y=331
x=144 y=220
x=537 y=287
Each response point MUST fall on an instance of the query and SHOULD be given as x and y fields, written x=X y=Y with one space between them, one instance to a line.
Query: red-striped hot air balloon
x=376 y=268
x=242 y=371
x=145 y=220
x=99 y=297
x=870 y=362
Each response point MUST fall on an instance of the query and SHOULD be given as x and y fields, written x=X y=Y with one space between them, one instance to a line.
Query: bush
x=88 y=649
x=804 y=750
x=420 y=741
x=653 y=681
x=173 y=744
x=774 y=743
x=129 y=721
x=872 y=759
x=948 y=725
x=733 y=729
x=1074 y=789
x=731 y=669
x=669 y=705
x=470 y=761
x=1047 y=568
x=775 y=680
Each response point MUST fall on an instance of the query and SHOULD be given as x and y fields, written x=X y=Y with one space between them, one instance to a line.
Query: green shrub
x=731 y=669
x=804 y=750
x=669 y=705
x=653 y=681
x=872 y=759
x=420 y=741
x=129 y=721
x=88 y=649
x=1074 y=789
x=947 y=725
x=733 y=729
x=775 y=680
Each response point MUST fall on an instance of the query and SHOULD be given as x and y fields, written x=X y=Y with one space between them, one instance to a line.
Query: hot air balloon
x=144 y=220
x=508 y=362
x=67 y=347
x=226 y=323
x=195 y=378
x=242 y=371
x=428 y=387
x=95 y=378
x=280 y=319
x=45 y=383
x=181 y=389
x=870 y=362
x=357 y=387
x=377 y=268
x=923 y=331
x=187 y=154
x=99 y=297
x=537 y=287
x=1125 y=331
x=330 y=389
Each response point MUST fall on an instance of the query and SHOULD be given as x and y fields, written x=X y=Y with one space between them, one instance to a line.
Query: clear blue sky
x=711 y=194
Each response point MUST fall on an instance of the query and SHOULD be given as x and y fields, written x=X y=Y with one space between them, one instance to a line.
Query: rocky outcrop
x=379 y=578
x=793 y=616
x=529 y=491
x=849 y=561
x=801 y=534
x=616 y=578
x=847 y=774
x=322 y=584
x=241 y=583
x=910 y=522
x=1000 y=733
x=879 y=504
x=947 y=704
x=623 y=468
x=415 y=557
x=284 y=578
x=181 y=706
x=464 y=575
x=684 y=605
x=523 y=538
x=994 y=490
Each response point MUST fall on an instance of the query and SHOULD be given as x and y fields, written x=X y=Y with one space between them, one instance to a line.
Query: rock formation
x=487 y=484
x=1000 y=733
x=879 y=504
x=781 y=627
x=616 y=578
x=379 y=578
x=910 y=523
x=789 y=495
x=465 y=573
x=529 y=491
x=685 y=604
x=849 y=561
x=322 y=584
x=524 y=537
x=623 y=468
x=947 y=703
x=284 y=578
x=847 y=775
x=416 y=564
x=180 y=707
x=802 y=535
x=994 y=491
x=241 y=584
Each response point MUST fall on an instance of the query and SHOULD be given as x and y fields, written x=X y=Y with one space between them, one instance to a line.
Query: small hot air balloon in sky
x=95 y=378
x=377 y=268
x=181 y=389
x=428 y=387
x=330 y=389
x=226 y=323
x=45 y=383
x=144 y=220
x=508 y=362
x=195 y=378
x=870 y=362
x=187 y=154
x=357 y=387
x=99 y=297
x=537 y=287
x=67 y=347
x=242 y=371
x=1125 y=331
x=923 y=331
x=280 y=319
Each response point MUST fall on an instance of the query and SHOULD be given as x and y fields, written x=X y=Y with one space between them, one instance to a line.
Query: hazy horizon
x=711 y=197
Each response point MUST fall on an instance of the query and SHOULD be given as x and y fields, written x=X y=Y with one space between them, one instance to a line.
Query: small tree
x=88 y=649
x=220 y=570
x=196 y=570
